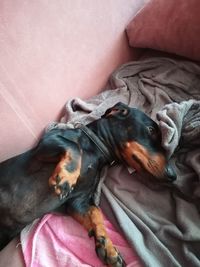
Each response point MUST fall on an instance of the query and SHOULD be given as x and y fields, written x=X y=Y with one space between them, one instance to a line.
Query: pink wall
x=51 y=51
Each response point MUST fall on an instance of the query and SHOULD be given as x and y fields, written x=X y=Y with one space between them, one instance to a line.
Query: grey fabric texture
x=163 y=228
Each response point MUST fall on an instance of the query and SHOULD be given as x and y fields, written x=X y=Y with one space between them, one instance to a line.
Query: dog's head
x=138 y=141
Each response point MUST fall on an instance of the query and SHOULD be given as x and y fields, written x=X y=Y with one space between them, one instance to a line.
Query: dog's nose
x=170 y=173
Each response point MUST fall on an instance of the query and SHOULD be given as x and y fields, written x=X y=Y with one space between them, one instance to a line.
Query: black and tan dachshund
x=63 y=170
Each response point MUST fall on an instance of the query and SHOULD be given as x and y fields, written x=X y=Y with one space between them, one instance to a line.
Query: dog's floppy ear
x=109 y=112
x=117 y=109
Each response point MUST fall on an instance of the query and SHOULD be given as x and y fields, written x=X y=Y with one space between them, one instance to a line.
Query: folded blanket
x=162 y=226
x=59 y=241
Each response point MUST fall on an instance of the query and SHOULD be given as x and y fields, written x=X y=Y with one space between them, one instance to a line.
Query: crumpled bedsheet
x=60 y=241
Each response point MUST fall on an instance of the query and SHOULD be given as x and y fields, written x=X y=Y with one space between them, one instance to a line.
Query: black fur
x=24 y=190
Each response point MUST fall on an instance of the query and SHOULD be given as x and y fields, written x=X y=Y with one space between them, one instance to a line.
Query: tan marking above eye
x=139 y=158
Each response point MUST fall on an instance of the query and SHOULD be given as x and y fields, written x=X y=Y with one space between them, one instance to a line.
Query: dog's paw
x=60 y=185
x=108 y=253
x=65 y=175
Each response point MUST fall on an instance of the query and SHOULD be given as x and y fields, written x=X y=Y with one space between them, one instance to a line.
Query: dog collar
x=96 y=140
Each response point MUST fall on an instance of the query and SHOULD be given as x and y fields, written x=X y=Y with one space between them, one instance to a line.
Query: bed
x=151 y=224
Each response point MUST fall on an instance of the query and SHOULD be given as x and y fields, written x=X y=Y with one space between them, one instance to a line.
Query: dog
x=63 y=171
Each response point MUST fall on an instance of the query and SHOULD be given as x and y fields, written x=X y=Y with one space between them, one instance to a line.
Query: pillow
x=172 y=26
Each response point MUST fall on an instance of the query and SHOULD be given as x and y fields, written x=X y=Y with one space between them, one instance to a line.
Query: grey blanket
x=162 y=227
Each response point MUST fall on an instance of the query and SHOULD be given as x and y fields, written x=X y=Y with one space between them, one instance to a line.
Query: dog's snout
x=170 y=173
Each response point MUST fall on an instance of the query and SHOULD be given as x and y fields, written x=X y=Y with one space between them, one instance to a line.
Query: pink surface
x=61 y=241
x=51 y=51
x=168 y=25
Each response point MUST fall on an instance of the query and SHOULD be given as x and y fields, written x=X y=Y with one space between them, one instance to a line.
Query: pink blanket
x=59 y=241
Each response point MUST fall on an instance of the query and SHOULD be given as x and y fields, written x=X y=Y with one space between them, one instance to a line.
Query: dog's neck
x=98 y=142
x=101 y=130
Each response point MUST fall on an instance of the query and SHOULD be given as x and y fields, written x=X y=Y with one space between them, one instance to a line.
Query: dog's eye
x=124 y=112
x=151 y=131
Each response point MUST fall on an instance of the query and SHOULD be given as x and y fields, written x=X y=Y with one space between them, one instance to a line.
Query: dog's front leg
x=94 y=223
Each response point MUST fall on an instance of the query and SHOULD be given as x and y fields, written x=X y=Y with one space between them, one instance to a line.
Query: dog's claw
x=91 y=233
x=64 y=194
x=106 y=254
x=61 y=196
x=61 y=189
x=58 y=179
x=64 y=191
